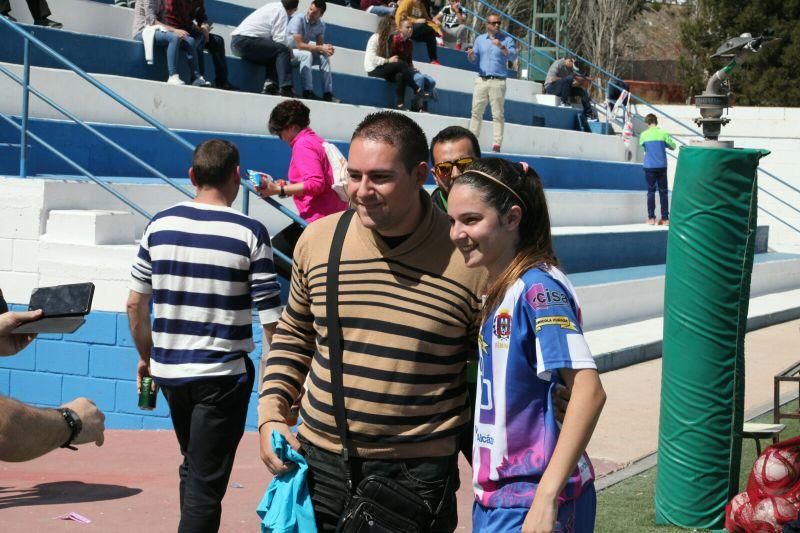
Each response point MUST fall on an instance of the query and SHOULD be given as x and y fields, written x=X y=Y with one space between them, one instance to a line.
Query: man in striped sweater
x=408 y=308
x=205 y=266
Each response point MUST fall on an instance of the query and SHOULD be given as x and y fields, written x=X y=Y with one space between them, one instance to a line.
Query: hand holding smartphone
x=63 y=306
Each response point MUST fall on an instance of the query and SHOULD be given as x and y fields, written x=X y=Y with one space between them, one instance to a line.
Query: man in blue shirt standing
x=493 y=50
x=307 y=38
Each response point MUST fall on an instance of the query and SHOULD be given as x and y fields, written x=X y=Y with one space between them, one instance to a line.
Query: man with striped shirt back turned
x=205 y=266
x=407 y=307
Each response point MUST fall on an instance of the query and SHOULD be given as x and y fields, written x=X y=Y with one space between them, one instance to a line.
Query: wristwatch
x=282 y=194
x=75 y=426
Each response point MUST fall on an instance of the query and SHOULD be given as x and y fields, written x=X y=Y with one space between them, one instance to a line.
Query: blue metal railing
x=637 y=99
x=25 y=133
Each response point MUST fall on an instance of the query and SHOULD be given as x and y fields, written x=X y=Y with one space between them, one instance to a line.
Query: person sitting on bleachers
x=307 y=38
x=454 y=24
x=379 y=63
x=215 y=45
x=381 y=8
x=564 y=81
x=402 y=47
x=170 y=18
x=39 y=11
x=425 y=29
x=262 y=39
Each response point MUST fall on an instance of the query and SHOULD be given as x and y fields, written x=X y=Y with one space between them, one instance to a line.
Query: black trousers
x=425 y=34
x=563 y=89
x=399 y=73
x=38 y=8
x=275 y=57
x=209 y=417
x=216 y=49
x=427 y=477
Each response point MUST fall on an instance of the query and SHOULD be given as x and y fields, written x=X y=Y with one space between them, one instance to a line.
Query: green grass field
x=628 y=506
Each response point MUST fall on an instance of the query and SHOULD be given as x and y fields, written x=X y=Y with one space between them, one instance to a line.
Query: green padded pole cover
x=709 y=263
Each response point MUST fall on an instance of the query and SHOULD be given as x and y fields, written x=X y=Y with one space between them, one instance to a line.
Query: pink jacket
x=310 y=166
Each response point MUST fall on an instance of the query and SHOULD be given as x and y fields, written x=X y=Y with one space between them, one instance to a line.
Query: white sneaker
x=175 y=80
x=200 y=81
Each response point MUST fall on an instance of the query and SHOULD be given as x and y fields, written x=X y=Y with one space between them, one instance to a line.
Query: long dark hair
x=385 y=29
x=535 y=246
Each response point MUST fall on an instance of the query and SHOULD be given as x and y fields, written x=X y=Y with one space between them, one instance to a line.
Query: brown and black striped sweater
x=408 y=319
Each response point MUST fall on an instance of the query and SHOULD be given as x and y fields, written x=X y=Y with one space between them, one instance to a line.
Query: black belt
x=493 y=77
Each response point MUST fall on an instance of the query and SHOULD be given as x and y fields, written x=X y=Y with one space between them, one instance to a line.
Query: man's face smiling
x=384 y=193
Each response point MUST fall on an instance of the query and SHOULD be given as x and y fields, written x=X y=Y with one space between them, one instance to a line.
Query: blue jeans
x=657 y=177
x=427 y=84
x=382 y=11
x=192 y=44
x=306 y=60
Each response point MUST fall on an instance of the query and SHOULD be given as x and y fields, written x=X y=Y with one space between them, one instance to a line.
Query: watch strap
x=74 y=423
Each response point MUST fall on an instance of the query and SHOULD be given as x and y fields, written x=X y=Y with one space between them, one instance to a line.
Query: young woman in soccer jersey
x=529 y=474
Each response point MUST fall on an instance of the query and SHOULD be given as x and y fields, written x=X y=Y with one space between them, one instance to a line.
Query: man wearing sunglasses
x=492 y=50
x=452 y=150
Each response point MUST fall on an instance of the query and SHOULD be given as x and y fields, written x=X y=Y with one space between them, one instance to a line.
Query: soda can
x=147 y=397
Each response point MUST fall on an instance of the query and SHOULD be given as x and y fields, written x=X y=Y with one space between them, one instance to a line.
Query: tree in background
x=597 y=29
x=770 y=77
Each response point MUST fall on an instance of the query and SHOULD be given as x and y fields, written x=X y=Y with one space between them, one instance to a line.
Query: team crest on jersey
x=502 y=325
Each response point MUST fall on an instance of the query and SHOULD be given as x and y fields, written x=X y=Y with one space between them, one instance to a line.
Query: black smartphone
x=63 y=306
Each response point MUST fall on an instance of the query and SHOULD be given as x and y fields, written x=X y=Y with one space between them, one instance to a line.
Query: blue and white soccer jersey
x=534 y=332
x=206 y=267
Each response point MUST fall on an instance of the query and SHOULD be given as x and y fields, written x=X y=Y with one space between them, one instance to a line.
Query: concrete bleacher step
x=245 y=113
x=621 y=296
x=108 y=266
x=592 y=248
x=90 y=226
x=124 y=56
x=606 y=185
x=636 y=342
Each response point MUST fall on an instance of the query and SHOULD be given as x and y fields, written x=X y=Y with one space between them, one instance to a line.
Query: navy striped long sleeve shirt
x=206 y=267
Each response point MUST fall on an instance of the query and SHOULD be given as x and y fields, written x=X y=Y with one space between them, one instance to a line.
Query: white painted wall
x=222 y=111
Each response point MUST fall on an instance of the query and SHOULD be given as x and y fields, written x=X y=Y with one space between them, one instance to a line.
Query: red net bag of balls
x=772 y=497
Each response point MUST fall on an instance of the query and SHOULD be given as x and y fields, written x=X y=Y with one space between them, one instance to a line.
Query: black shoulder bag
x=379 y=504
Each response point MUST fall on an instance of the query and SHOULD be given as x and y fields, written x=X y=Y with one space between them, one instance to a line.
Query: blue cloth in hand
x=286 y=506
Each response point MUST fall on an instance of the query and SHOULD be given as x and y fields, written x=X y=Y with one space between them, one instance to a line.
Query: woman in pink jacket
x=310 y=174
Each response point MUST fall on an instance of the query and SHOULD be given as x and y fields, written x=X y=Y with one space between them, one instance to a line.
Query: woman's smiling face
x=480 y=233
